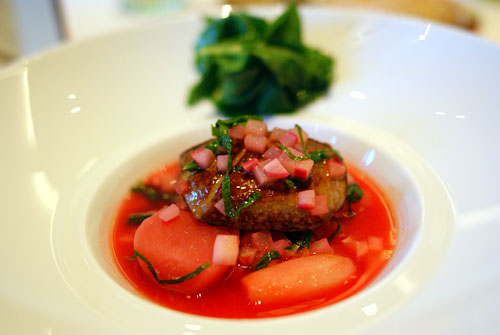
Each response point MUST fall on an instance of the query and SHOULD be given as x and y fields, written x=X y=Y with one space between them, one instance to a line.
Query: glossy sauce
x=368 y=239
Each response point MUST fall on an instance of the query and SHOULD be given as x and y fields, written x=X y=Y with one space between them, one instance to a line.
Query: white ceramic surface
x=414 y=104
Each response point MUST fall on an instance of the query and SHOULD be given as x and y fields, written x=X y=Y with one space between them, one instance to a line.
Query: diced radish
x=256 y=127
x=260 y=176
x=250 y=164
x=275 y=134
x=222 y=163
x=261 y=240
x=321 y=247
x=302 y=169
x=306 y=199
x=220 y=206
x=226 y=249
x=280 y=246
x=288 y=139
x=272 y=152
x=288 y=163
x=203 y=157
x=275 y=169
x=321 y=205
x=335 y=169
x=164 y=178
x=296 y=152
x=305 y=136
x=180 y=247
x=256 y=143
x=237 y=132
x=298 y=147
x=181 y=186
x=168 y=213
x=247 y=255
x=297 y=280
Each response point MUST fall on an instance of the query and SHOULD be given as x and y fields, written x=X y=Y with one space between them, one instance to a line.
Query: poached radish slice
x=203 y=157
x=222 y=163
x=321 y=205
x=250 y=164
x=179 y=248
x=298 y=279
x=168 y=213
x=275 y=169
x=306 y=199
x=226 y=249
x=256 y=127
x=237 y=132
x=256 y=143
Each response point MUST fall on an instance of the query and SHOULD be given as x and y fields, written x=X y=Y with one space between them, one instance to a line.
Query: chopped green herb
x=336 y=232
x=137 y=218
x=148 y=191
x=354 y=193
x=291 y=155
x=248 y=202
x=291 y=183
x=191 y=167
x=250 y=66
x=213 y=146
x=299 y=130
x=237 y=168
x=172 y=281
x=304 y=241
x=266 y=259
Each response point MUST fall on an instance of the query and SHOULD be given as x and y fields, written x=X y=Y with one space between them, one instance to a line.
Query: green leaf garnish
x=305 y=241
x=191 y=167
x=290 y=183
x=266 y=259
x=354 y=193
x=336 y=232
x=213 y=146
x=148 y=191
x=237 y=168
x=172 y=281
x=291 y=155
x=248 y=202
x=137 y=218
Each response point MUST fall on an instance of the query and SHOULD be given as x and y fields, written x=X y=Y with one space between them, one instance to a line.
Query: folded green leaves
x=250 y=66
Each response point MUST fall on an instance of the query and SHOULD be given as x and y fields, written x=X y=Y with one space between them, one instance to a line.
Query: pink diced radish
x=203 y=157
x=335 y=169
x=275 y=169
x=305 y=136
x=181 y=186
x=275 y=134
x=261 y=240
x=250 y=164
x=272 y=152
x=298 y=146
x=247 y=255
x=302 y=169
x=256 y=127
x=296 y=152
x=256 y=143
x=306 y=199
x=321 y=247
x=222 y=163
x=168 y=213
x=321 y=205
x=220 y=206
x=287 y=162
x=226 y=249
x=260 y=176
x=288 y=139
x=280 y=246
x=237 y=132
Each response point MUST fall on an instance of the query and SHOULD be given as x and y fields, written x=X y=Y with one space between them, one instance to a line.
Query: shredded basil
x=291 y=155
x=266 y=259
x=213 y=146
x=354 y=193
x=137 y=218
x=336 y=232
x=291 y=183
x=299 y=128
x=148 y=191
x=191 y=167
x=237 y=168
x=172 y=281
x=305 y=241
x=248 y=202
x=316 y=156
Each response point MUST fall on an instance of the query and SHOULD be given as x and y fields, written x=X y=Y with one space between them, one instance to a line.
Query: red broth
x=368 y=239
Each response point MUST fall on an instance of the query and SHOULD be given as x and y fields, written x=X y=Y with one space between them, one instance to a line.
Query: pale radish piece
x=226 y=250
x=288 y=139
x=179 y=248
x=298 y=147
x=306 y=199
x=302 y=169
x=296 y=152
x=220 y=206
x=272 y=152
x=305 y=136
x=164 y=178
x=275 y=169
x=237 y=132
x=261 y=240
x=247 y=255
x=260 y=176
x=288 y=163
x=256 y=143
x=169 y=213
x=321 y=205
x=256 y=127
x=203 y=157
x=280 y=246
x=298 y=279
x=275 y=134
x=250 y=164
x=181 y=186
x=222 y=163
x=335 y=169
x=321 y=247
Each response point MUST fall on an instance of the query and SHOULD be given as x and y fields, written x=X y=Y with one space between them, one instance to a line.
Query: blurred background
x=31 y=26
